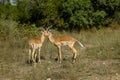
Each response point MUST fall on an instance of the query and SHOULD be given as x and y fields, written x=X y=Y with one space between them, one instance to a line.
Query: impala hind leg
x=59 y=54
x=74 y=53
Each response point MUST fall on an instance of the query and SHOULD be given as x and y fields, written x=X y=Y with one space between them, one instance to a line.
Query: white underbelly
x=65 y=43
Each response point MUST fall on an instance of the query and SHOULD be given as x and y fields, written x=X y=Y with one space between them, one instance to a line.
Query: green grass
x=99 y=61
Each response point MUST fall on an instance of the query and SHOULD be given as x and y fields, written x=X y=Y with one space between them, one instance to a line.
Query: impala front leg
x=29 y=56
x=39 y=60
x=74 y=53
x=33 y=54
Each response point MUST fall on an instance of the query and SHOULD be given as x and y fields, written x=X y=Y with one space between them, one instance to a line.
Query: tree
x=64 y=14
x=8 y=11
x=110 y=7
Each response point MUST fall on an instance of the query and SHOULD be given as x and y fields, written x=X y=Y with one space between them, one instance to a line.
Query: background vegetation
x=96 y=23
x=63 y=14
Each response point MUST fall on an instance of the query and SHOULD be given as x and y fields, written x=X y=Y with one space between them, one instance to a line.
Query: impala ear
x=42 y=32
x=50 y=30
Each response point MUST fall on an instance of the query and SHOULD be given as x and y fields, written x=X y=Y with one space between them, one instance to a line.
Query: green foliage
x=99 y=18
x=63 y=14
x=49 y=12
x=80 y=14
x=23 y=14
x=8 y=11
x=117 y=16
x=27 y=31
x=7 y=28
x=109 y=6
x=76 y=13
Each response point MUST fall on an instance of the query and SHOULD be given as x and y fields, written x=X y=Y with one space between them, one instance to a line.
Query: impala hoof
x=33 y=61
x=74 y=60
x=39 y=62
x=60 y=62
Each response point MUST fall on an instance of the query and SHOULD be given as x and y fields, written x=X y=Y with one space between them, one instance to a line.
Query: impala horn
x=41 y=29
x=49 y=27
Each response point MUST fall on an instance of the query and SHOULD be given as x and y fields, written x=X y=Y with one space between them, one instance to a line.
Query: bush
x=7 y=28
x=63 y=14
x=8 y=11
x=117 y=17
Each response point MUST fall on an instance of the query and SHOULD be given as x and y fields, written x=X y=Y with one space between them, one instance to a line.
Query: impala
x=65 y=41
x=36 y=44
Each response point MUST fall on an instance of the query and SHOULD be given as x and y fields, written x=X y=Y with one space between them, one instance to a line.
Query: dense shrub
x=9 y=29
x=8 y=11
x=63 y=14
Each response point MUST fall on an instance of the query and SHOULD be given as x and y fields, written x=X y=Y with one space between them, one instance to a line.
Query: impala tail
x=80 y=44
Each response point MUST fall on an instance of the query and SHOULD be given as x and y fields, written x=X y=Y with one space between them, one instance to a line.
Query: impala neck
x=42 y=38
x=51 y=38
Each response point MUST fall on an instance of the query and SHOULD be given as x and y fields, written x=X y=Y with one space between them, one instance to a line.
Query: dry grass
x=99 y=61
